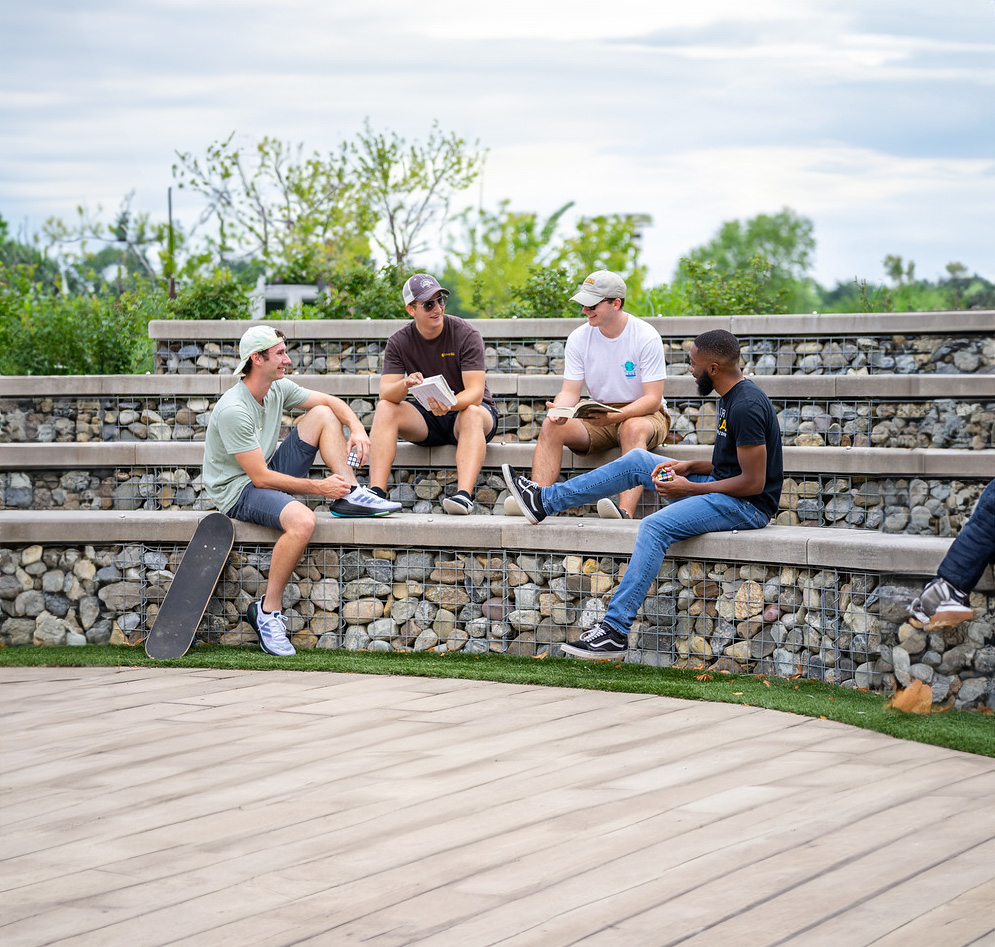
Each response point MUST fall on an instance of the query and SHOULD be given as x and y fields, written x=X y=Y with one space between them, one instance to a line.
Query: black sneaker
x=601 y=643
x=527 y=494
x=459 y=504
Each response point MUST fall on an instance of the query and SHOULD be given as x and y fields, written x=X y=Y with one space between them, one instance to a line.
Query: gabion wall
x=844 y=627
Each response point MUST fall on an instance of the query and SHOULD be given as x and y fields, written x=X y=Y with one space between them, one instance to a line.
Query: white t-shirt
x=615 y=369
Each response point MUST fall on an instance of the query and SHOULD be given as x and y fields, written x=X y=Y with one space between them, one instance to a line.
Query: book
x=434 y=387
x=583 y=409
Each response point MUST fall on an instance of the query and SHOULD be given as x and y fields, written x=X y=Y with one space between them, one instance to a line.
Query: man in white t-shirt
x=621 y=360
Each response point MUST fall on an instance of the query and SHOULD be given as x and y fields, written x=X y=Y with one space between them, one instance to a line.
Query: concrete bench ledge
x=803 y=387
x=869 y=461
x=823 y=548
x=787 y=325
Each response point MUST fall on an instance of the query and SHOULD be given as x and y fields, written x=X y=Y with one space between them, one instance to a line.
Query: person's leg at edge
x=390 y=422
x=297 y=522
x=974 y=547
x=472 y=426
x=682 y=519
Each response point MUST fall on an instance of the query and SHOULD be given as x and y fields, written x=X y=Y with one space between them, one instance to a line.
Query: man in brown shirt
x=433 y=343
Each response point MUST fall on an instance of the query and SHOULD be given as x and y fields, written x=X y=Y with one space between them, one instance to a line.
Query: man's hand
x=360 y=443
x=438 y=409
x=415 y=378
x=675 y=483
x=333 y=487
x=604 y=419
x=555 y=420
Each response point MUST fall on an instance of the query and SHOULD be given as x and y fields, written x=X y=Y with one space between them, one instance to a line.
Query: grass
x=969 y=731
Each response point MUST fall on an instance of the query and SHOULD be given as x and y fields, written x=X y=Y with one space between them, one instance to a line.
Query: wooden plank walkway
x=194 y=807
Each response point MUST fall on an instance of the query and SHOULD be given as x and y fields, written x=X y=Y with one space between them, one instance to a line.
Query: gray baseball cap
x=419 y=287
x=602 y=284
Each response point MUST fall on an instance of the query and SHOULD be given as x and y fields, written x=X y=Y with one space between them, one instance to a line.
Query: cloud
x=873 y=119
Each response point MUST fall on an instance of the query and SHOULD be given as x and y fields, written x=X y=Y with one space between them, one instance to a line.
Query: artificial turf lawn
x=969 y=731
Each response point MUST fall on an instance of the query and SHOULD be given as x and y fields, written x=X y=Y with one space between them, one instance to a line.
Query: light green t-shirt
x=240 y=423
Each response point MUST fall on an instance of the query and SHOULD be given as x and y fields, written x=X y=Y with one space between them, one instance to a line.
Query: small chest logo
x=630 y=369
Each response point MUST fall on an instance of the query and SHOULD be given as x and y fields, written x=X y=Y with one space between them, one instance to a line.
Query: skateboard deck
x=191 y=588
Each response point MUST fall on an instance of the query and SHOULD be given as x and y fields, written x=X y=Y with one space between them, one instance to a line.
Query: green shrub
x=358 y=293
x=219 y=296
x=43 y=333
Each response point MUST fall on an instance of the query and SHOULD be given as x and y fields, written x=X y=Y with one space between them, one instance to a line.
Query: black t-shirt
x=747 y=418
x=458 y=348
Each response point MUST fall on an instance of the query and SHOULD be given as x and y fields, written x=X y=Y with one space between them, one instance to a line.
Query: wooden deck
x=191 y=807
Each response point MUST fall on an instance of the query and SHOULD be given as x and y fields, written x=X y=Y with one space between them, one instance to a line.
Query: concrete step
x=783 y=344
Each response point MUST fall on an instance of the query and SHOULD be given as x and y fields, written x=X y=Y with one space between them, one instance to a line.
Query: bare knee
x=298 y=521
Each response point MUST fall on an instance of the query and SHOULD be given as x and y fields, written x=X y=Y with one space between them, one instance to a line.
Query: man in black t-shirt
x=433 y=343
x=739 y=489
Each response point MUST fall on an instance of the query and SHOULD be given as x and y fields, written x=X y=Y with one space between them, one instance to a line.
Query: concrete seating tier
x=924 y=492
x=824 y=603
x=911 y=411
x=951 y=342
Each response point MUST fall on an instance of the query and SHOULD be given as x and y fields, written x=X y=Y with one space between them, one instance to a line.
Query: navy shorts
x=293 y=457
x=440 y=429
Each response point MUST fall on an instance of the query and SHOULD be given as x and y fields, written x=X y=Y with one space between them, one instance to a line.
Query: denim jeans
x=680 y=519
x=974 y=547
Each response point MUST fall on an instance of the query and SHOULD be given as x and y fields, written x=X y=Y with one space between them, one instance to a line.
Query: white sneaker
x=511 y=507
x=609 y=510
x=270 y=630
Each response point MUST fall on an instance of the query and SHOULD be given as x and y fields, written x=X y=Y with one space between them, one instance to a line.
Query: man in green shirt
x=251 y=477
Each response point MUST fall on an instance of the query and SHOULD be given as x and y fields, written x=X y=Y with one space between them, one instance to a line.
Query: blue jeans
x=974 y=547
x=680 y=519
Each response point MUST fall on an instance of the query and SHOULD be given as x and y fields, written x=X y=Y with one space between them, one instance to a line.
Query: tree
x=410 y=187
x=750 y=290
x=497 y=253
x=511 y=262
x=300 y=215
x=607 y=242
x=783 y=240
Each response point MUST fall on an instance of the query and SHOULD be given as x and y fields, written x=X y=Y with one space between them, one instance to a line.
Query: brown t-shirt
x=458 y=348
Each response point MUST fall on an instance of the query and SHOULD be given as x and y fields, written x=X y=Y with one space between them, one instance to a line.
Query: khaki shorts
x=604 y=438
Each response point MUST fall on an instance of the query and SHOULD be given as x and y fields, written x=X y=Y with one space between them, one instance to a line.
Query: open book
x=435 y=387
x=583 y=409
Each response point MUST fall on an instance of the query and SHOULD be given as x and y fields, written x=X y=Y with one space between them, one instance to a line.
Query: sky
x=873 y=118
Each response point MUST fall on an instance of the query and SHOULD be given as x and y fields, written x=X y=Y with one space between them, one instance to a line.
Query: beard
x=705 y=385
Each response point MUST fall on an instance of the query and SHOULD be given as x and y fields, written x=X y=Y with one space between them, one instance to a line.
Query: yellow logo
x=447 y=355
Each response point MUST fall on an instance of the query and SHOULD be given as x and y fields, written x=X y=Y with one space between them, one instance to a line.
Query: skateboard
x=191 y=588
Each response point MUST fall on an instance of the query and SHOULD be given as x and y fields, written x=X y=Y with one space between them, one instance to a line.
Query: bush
x=358 y=293
x=42 y=333
x=219 y=296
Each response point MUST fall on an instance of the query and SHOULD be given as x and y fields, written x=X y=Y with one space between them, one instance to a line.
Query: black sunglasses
x=430 y=304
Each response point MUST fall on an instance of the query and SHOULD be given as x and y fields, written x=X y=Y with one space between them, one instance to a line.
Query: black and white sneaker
x=608 y=509
x=459 y=504
x=601 y=643
x=941 y=605
x=527 y=494
x=363 y=502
